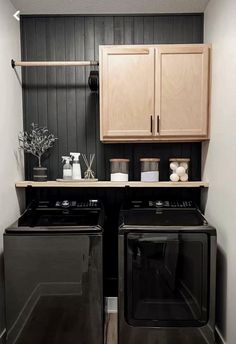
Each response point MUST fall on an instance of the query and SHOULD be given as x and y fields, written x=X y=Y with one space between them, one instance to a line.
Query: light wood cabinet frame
x=161 y=94
x=193 y=110
x=119 y=66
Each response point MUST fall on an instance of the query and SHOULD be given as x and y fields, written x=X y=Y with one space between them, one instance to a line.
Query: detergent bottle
x=67 y=168
x=76 y=169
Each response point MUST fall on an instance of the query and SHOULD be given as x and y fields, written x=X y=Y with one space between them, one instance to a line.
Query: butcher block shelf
x=109 y=184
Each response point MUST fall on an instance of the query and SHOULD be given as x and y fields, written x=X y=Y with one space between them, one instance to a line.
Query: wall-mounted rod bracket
x=13 y=64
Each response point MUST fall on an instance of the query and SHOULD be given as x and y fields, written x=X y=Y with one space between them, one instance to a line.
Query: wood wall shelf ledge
x=109 y=184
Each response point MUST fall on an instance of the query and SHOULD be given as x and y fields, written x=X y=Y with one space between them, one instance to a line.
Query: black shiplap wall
x=60 y=99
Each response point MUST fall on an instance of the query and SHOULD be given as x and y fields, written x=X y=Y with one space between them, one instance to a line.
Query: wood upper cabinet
x=154 y=93
x=181 y=97
x=126 y=92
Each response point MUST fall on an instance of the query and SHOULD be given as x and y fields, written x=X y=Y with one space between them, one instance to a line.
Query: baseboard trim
x=3 y=336
x=219 y=338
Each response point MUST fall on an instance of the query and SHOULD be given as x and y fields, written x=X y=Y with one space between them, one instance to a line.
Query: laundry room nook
x=117 y=152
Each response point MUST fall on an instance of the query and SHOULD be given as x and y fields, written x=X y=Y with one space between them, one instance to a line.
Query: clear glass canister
x=149 y=169
x=179 y=169
x=119 y=170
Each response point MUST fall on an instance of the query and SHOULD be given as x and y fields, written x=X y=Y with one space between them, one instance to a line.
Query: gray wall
x=10 y=124
x=219 y=156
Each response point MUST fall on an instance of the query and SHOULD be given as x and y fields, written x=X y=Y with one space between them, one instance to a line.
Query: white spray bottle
x=67 y=168
x=76 y=169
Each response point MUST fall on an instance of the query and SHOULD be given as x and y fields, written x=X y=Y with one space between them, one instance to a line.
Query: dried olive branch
x=37 y=141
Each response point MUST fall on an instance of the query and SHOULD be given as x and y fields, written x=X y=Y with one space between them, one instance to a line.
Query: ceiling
x=108 y=6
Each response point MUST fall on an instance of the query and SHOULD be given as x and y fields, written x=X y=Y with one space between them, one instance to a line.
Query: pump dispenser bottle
x=76 y=169
x=67 y=168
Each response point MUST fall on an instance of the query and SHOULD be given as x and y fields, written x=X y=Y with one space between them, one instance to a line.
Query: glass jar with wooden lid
x=149 y=169
x=179 y=169
x=119 y=169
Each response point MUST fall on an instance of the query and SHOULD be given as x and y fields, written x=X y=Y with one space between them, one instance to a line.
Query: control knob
x=65 y=204
x=159 y=204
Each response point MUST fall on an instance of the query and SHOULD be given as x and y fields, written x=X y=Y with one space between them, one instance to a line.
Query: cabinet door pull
x=151 y=123
x=158 y=124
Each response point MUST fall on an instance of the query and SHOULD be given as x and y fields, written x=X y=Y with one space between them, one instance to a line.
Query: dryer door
x=167 y=279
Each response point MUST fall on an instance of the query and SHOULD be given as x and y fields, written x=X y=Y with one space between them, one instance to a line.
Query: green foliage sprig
x=37 y=141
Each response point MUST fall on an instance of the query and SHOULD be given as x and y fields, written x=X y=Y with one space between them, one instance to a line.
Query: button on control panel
x=170 y=204
x=75 y=204
x=65 y=204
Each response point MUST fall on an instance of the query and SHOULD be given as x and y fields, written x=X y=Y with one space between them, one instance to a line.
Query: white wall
x=220 y=156
x=10 y=124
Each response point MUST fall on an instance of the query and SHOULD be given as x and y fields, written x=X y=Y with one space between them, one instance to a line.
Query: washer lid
x=163 y=217
x=58 y=220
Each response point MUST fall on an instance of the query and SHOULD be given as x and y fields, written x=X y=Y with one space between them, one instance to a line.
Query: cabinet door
x=126 y=92
x=182 y=76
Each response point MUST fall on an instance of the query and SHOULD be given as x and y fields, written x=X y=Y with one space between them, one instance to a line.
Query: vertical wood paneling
x=138 y=30
x=197 y=34
x=41 y=76
x=70 y=85
x=60 y=98
x=52 y=120
x=104 y=34
x=24 y=71
x=148 y=30
x=118 y=30
x=80 y=85
x=61 y=90
x=128 y=30
x=181 y=34
x=90 y=98
x=163 y=29
x=32 y=83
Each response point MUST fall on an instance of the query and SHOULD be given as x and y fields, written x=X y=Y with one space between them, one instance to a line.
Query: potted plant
x=37 y=142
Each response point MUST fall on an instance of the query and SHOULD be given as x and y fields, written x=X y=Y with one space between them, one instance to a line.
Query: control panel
x=92 y=203
x=162 y=204
x=64 y=204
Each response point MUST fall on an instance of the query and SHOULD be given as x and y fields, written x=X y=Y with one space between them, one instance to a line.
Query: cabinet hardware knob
x=151 y=120
x=158 y=124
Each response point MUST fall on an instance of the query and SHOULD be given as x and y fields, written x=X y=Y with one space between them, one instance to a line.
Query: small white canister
x=179 y=169
x=119 y=170
x=149 y=169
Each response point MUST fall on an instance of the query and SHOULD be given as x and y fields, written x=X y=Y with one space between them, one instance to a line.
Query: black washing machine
x=54 y=275
x=167 y=272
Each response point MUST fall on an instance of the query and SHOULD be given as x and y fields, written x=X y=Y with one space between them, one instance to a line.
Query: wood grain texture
x=55 y=63
x=109 y=184
x=111 y=328
x=123 y=113
x=130 y=109
x=182 y=90
x=59 y=97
